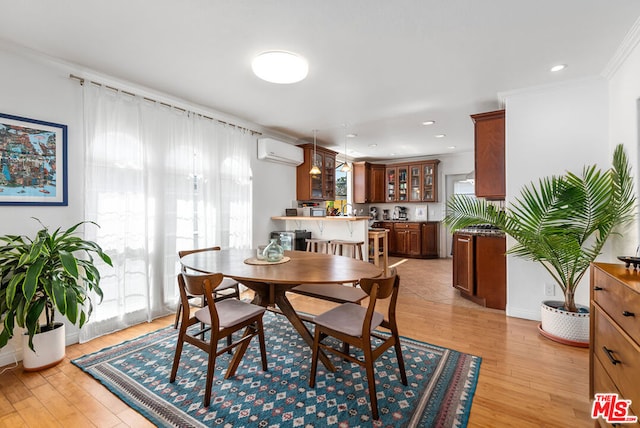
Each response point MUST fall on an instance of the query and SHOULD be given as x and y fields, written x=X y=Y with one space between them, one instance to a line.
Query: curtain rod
x=82 y=81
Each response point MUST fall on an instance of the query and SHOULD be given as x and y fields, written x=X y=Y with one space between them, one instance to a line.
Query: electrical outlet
x=549 y=289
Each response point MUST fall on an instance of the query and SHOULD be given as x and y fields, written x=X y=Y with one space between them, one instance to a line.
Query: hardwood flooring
x=525 y=380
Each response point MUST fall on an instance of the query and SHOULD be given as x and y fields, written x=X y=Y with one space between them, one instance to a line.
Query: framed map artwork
x=33 y=162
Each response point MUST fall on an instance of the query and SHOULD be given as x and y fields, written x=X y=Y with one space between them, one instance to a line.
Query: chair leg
x=314 y=357
x=178 y=314
x=263 y=348
x=239 y=353
x=211 y=367
x=178 y=354
x=371 y=380
x=400 y=358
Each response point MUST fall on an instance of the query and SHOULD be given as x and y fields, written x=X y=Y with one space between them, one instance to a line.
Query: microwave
x=317 y=212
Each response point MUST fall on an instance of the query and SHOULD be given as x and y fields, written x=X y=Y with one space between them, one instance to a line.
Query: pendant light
x=345 y=166
x=314 y=169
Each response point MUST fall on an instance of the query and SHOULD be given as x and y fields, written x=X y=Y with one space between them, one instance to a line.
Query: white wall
x=274 y=189
x=624 y=120
x=550 y=130
x=36 y=87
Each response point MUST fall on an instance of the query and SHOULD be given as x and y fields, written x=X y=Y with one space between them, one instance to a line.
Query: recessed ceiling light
x=352 y=135
x=280 y=67
x=373 y=145
x=428 y=122
x=451 y=147
x=558 y=67
x=440 y=135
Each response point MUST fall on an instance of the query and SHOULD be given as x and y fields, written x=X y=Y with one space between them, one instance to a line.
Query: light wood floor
x=525 y=380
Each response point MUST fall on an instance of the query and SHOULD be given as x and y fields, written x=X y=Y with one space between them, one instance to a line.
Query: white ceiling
x=380 y=67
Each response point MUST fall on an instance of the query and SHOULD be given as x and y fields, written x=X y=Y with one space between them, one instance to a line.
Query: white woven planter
x=567 y=326
x=49 y=346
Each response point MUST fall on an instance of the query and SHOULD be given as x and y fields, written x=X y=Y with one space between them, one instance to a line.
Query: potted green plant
x=562 y=223
x=53 y=271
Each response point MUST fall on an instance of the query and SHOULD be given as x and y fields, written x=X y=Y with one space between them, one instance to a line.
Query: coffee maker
x=373 y=213
x=400 y=213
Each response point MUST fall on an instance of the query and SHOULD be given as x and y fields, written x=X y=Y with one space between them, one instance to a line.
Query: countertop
x=325 y=218
x=481 y=232
x=406 y=221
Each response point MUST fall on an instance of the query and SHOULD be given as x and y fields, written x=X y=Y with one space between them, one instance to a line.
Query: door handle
x=628 y=314
x=596 y=288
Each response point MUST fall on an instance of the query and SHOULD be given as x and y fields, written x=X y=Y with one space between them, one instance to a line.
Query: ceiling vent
x=280 y=152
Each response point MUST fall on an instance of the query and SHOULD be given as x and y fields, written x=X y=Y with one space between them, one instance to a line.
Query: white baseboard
x=527 y=314
x=12 y=352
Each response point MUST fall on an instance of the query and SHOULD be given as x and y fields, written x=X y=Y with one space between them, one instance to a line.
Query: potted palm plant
x=54 y=271
x=563 y=223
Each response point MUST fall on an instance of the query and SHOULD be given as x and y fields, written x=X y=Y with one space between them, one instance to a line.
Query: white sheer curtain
x=157 y=180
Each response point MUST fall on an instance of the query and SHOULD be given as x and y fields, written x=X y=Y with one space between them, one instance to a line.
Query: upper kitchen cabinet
x=368 y=183
x=429 y=181
x=321 y=187
x=489 y=154
x=412 y=183
x=396 y=183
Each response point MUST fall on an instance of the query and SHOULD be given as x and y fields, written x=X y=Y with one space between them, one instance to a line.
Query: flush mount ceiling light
x=558 y=67
x=428 y=122
x=280 y=67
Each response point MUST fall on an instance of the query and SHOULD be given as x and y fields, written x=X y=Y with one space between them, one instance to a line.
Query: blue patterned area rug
x=439 y=394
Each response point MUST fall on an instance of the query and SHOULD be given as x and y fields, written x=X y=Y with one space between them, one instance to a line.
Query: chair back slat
x=385 y=284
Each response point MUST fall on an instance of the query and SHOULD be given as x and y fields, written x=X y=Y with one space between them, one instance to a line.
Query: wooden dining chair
x=354 y=324
x=221 y=320
x=228 y=288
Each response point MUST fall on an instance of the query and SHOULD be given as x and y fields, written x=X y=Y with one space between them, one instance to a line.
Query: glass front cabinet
x=321 y=187
x=412 y=183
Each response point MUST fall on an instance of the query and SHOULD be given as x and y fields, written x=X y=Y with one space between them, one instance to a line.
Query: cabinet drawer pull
x=628 y=314
x=596 y=288
x=609 y=353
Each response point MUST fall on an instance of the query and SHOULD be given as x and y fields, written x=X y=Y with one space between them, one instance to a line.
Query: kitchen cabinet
x=416 y=182
x=396 y=183
x=490 y=155
x=614 y=352
x=408 y=239
x=429 y=236
x=430 y=181
x=463 y=263
x=319 y=187
x=377 y=183
x=480 y=268
x=411 y=239
x=368 y=182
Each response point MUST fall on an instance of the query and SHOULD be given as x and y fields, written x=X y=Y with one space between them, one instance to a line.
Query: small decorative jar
x=273 y=252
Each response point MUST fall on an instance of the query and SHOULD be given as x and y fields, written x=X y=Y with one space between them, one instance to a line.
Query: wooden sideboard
x=614 y=345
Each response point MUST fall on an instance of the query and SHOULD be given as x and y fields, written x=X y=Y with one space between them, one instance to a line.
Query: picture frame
x=33 y=162
x=421 y=213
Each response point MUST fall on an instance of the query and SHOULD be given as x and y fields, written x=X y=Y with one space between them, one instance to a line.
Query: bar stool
x=337 y=246
x=379 y=238
x=315 y=245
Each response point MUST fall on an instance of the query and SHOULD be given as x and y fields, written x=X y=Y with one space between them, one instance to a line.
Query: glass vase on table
x=273 y=252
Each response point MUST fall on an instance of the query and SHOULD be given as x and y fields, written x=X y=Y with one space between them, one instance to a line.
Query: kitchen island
x=348 y=228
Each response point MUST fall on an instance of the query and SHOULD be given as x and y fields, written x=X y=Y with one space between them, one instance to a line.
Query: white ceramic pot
x=571 y=328
x=49 y=349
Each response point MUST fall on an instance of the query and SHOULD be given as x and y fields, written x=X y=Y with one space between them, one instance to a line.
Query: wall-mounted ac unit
x=280 y=152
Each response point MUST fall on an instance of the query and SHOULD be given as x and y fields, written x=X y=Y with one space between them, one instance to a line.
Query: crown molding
x=628 y=44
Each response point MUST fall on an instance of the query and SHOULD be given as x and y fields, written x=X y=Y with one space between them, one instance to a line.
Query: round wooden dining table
x=270 y=282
